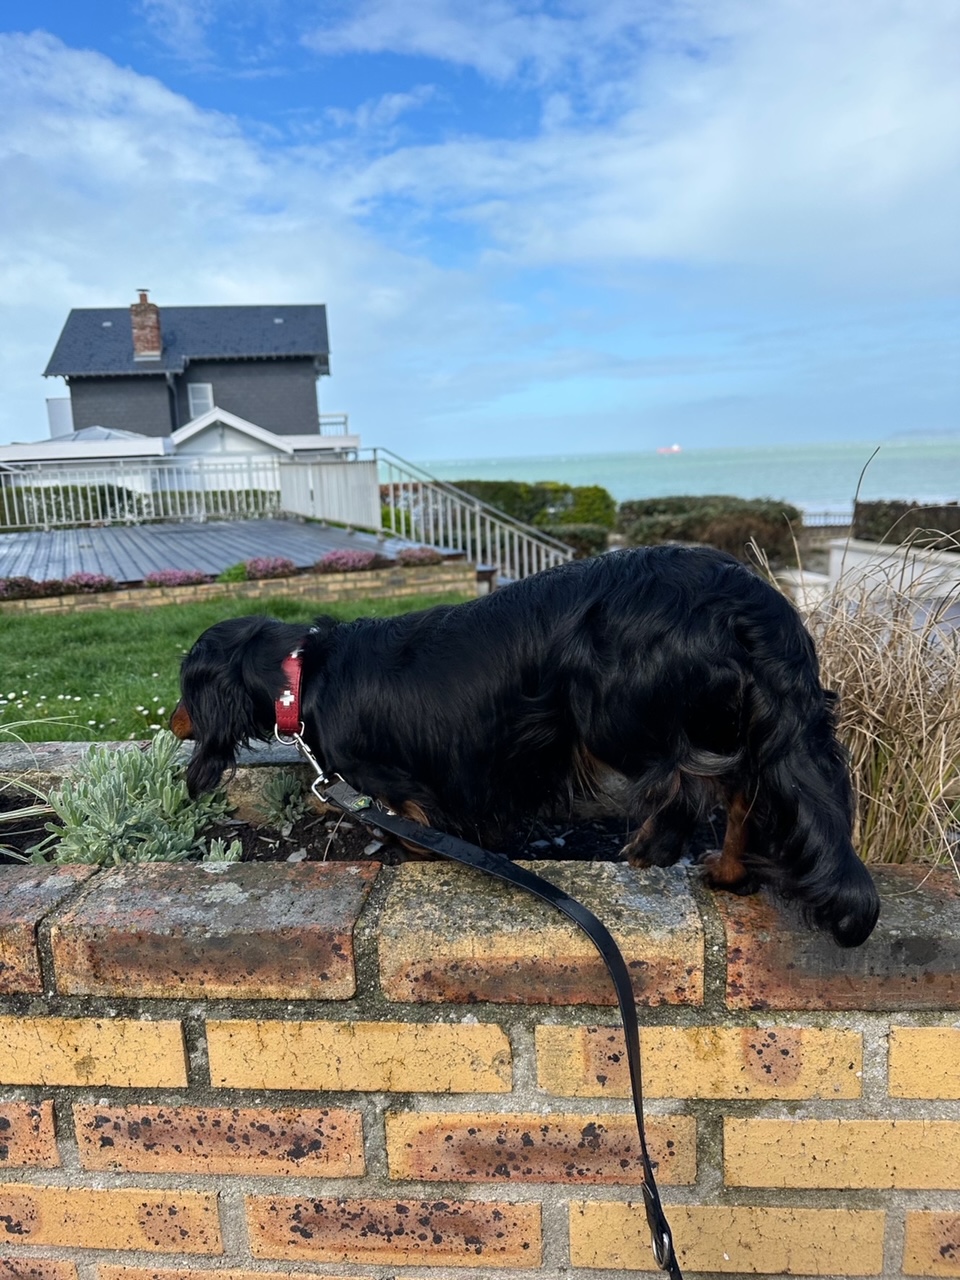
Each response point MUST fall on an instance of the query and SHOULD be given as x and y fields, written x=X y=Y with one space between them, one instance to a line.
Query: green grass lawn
x=108 y=675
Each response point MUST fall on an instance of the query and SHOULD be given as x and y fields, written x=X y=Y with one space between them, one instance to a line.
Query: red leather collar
x=287 y=706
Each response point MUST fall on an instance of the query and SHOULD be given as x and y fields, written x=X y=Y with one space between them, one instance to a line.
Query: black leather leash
x=289 y=728
x=366 y=810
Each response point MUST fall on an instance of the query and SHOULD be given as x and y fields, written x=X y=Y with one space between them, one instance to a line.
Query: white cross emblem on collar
x=287 y=698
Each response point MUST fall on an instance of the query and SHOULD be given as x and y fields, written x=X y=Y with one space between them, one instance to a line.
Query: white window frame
x=199 y=398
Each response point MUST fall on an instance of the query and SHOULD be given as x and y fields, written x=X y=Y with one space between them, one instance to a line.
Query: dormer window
x=199 y=398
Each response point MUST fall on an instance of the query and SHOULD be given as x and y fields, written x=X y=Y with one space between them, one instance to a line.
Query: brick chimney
x=145 y=322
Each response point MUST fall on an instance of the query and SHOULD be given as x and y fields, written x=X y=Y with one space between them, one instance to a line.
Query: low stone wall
x=353 y=1070
x=324 y=588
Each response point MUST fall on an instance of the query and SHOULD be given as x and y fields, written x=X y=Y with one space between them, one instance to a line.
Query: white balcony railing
x=135 y=491
x=375 y=490
x=334 y=424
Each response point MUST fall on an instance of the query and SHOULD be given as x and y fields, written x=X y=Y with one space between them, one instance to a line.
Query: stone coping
x=447 y=934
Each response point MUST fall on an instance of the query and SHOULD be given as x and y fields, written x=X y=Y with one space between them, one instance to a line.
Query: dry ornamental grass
x=892 y=653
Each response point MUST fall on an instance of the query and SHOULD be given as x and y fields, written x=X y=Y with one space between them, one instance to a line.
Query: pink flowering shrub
x=23 y=588
x=175 y=578
x=269 y=567
x=78 y=583
x=419 y=555
x=347 y=561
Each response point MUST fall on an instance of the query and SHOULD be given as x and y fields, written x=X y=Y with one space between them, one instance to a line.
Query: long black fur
x=676 y=667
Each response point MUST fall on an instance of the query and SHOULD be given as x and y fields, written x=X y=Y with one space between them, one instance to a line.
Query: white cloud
x=494 y=36
x=182 y=25
x=379 y=113
x=693 y=168
x=786 y=135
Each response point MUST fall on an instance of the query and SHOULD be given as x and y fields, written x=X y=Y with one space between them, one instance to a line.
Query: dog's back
x=676 y=667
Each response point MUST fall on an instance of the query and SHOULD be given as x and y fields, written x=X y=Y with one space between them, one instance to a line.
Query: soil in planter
x=331 y=837
x=19 y=833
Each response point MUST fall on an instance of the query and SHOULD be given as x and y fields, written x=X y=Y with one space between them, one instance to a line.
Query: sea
x=819 y=478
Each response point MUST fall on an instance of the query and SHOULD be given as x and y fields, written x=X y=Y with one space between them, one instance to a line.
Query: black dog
x=678 y=668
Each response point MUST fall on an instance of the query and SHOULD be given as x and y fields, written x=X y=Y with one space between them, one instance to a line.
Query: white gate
x=342 y=492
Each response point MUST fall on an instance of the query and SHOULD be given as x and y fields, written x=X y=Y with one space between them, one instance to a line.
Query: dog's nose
x=180 y=723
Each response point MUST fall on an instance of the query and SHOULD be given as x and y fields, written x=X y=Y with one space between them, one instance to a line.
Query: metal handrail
x=418 y=506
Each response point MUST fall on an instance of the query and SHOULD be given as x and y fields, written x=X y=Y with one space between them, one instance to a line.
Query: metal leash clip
x=296 y=740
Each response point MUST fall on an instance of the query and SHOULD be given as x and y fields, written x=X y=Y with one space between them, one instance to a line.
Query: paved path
x=128 y=553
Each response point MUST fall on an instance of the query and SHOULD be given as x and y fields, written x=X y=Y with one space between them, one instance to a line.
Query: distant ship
x=670 y=448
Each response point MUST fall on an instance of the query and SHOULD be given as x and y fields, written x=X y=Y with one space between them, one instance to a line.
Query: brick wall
x=321 y=588
x=349 y=1070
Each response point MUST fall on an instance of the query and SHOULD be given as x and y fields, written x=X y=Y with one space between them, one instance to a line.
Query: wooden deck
x=127 y=554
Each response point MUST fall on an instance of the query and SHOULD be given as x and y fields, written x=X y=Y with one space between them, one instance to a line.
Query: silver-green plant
x=284 y=799
x=127 y=805
x=220 y=851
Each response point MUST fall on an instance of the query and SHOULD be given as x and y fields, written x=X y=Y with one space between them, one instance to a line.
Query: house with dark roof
x=152 y=371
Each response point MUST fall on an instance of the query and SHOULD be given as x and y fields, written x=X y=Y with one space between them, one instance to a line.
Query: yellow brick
x=931 y=1246
x=925 y=1062
x=702 y=1062
x=92 y=1051
x=837 y=1242
x=426 y=1058
x=920 y=1154
x=145 y=1218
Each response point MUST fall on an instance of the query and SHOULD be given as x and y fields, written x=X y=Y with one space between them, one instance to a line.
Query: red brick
x=27 y=895
x=190 y=1273
x=243 y=930
x=251 y=1140
x=582 y=1149
x=27 y=1135
x=912 y=961
x=931 y=1245
x=438 y=1233
x=36 y=1269
x=505 y=945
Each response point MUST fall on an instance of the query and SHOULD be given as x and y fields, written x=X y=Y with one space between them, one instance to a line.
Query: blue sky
x=538 y=227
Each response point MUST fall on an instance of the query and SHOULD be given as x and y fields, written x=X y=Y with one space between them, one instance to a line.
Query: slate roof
x=98 y=341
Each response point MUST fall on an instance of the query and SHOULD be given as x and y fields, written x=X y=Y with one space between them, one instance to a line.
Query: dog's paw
x=718 y=876
x=636 y=852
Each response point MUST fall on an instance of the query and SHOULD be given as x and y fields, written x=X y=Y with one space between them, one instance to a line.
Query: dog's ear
x=221 y=718
x=228 y=681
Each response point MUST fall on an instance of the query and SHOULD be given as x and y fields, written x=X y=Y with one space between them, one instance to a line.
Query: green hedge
x=586 y=539
x=718 y=520
x=547 y=502
x=899 y=522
